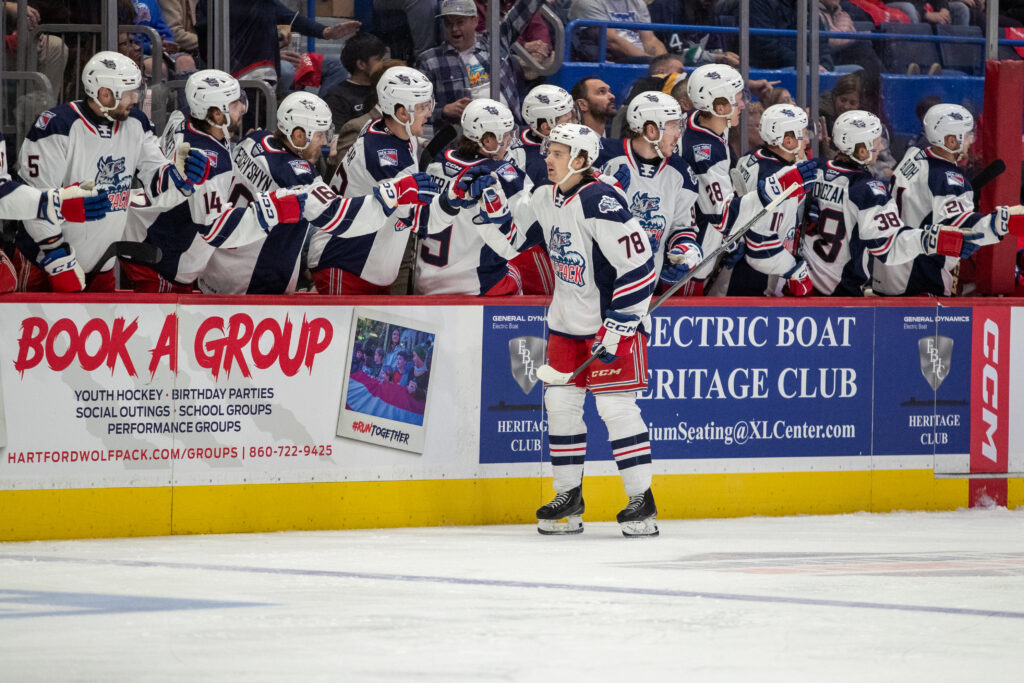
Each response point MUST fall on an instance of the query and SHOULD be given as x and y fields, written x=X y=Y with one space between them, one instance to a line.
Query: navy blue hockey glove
x=623 y=177
x=197 y=166
x=460 y=195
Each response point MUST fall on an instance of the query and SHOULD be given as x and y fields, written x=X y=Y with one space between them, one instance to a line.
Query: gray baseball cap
x=462 y=8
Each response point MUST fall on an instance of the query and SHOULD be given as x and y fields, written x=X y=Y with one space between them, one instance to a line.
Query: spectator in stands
x=360 y=56
x=923 y=105
x=536 y=37
x=348 y=133
x=421 y=17
x=460 y=68
x=663 y=73
x=942 y=11
x=180 y=16
x=695 y=48
x=51 y=52
x=847 y=50
x=624 y=45
x=776 y=52
x=254 y=46
x=148 y=13
x=596 y=103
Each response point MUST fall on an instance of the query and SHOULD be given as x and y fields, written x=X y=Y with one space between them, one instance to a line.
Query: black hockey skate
x=563 y=515
x=638 y=517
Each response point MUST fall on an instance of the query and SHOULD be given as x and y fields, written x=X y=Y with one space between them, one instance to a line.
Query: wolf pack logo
x=493 y=111
x=608 y=205
x=525 y=354
x=569 y=265
x=651 y=97
x=936 y=354
x=857 y=123
x=702 y=152
x=405 y=80
x=644 y=208
x=109 y=170
x=308 y=104
x=44 y=119
x=387 y=157
x=954 y=178
x=543 y=99
x=109 y=63
x=211 y=81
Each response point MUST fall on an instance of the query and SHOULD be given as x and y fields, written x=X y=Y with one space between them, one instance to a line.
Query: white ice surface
x=897 y=597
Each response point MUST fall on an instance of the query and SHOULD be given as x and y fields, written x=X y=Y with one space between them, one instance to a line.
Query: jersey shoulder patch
x=866 y=192
x=684 y=169
x=385 y=155
x=56 y=121
x=601 y=200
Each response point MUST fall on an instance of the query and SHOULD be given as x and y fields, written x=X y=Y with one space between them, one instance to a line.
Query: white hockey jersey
x=17 y=201
x=454 y=256
x=376 y=156
x=271 y=265
x=69 y=144
x=928 y=190
x=661 y=196
x=719 y=208
x=601 y=255
x=769 y=244
x=857 y=218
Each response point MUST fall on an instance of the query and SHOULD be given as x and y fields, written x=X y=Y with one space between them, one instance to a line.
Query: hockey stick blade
x=549 y=375
x=133 y=252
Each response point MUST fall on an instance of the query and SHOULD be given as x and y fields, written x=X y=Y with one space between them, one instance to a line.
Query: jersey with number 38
x=857 y=219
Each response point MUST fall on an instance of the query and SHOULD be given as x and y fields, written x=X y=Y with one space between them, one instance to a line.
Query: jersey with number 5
x=857 y=219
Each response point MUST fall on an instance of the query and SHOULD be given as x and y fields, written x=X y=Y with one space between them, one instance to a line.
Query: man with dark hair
x=596 y=103
x=667 y=63
x=360 y=56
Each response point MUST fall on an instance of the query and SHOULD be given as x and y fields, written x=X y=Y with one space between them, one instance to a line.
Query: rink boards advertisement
x=207 y=397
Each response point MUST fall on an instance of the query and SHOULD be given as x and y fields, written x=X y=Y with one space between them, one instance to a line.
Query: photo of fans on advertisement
x=387 y=382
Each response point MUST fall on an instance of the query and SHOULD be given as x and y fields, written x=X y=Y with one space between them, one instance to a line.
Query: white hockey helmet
x=853 y=128
x=217 y=89
x=578 y=138
x=948 y=119
x=306 y=111
x=488 y=116
x=116 y=72
x=405 y=86
x=709 y=82
x=654 y=107
x=779 y=119
x=546 y=102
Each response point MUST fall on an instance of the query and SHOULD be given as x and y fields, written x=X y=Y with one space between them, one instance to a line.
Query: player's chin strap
x=104 y=110
x=657 y=143
x=570 y=173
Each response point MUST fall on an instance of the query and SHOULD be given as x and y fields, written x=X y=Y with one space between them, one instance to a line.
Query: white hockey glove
x=74 y=204
x=616 y=328
x=417 y=189
x=493 y=206
x=949 y=241
x=279 y=206
x=61 y=266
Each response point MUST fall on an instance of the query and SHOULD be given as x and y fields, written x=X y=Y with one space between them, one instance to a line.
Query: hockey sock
x=631 y=445
x=567 y=435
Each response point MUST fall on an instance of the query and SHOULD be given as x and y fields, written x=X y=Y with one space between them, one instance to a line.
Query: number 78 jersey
x=857 y=218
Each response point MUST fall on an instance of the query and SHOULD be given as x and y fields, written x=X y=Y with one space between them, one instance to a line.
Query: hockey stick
x=133 y=252
x=440 y=140
x=985 y=176
x=549 y=375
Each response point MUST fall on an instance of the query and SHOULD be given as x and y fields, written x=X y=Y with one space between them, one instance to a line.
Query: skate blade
x=560 y=527
x=643 y=527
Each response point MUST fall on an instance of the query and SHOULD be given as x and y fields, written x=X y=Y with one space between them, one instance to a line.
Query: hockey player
x=266 y=163
x=22 y=202
x=605 y=278
x=930 y=187
x=105 y=140
x=766 y=265
x=544 y=107
x=661 y=188
x=717 y=93
x=857 y=217
x=386 y=150
x=188 y=232
x=455 y=258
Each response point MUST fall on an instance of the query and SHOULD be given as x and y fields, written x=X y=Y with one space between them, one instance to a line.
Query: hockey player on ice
x=856 y=218
x=765 y=265
x=717 y=93
x=929 y=187
x=455 y=258
x=661 y=187
x=105 y=140
x=188 y=232
x=605 y=278
x=268 y=262
x=21 y=202
x=387 y=149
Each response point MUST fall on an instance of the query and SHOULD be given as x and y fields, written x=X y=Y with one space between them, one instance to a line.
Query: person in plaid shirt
x=460 y=67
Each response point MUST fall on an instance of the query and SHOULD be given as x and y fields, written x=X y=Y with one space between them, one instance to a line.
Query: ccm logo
x=990 y=388
x=606 y=373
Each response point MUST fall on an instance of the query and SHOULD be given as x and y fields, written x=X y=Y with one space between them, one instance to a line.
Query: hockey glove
x=411 y=190
x=622 y=176
x=73 y=204
x=61 y=266
x=460 y=195
x=171 y=176
x=734 y=254
x=192 y=164
x=680 y=260
x=798 y=280
x=493 y=207
x=949 y=241
x=279 y=206
x=804 y=174
x=616 y=327
x=813 y=215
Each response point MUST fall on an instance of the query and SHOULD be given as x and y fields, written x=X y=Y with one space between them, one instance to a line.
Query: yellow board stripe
x=158 y=511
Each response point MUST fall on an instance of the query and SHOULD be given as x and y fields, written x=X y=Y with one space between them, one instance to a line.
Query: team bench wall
x=151 y=415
